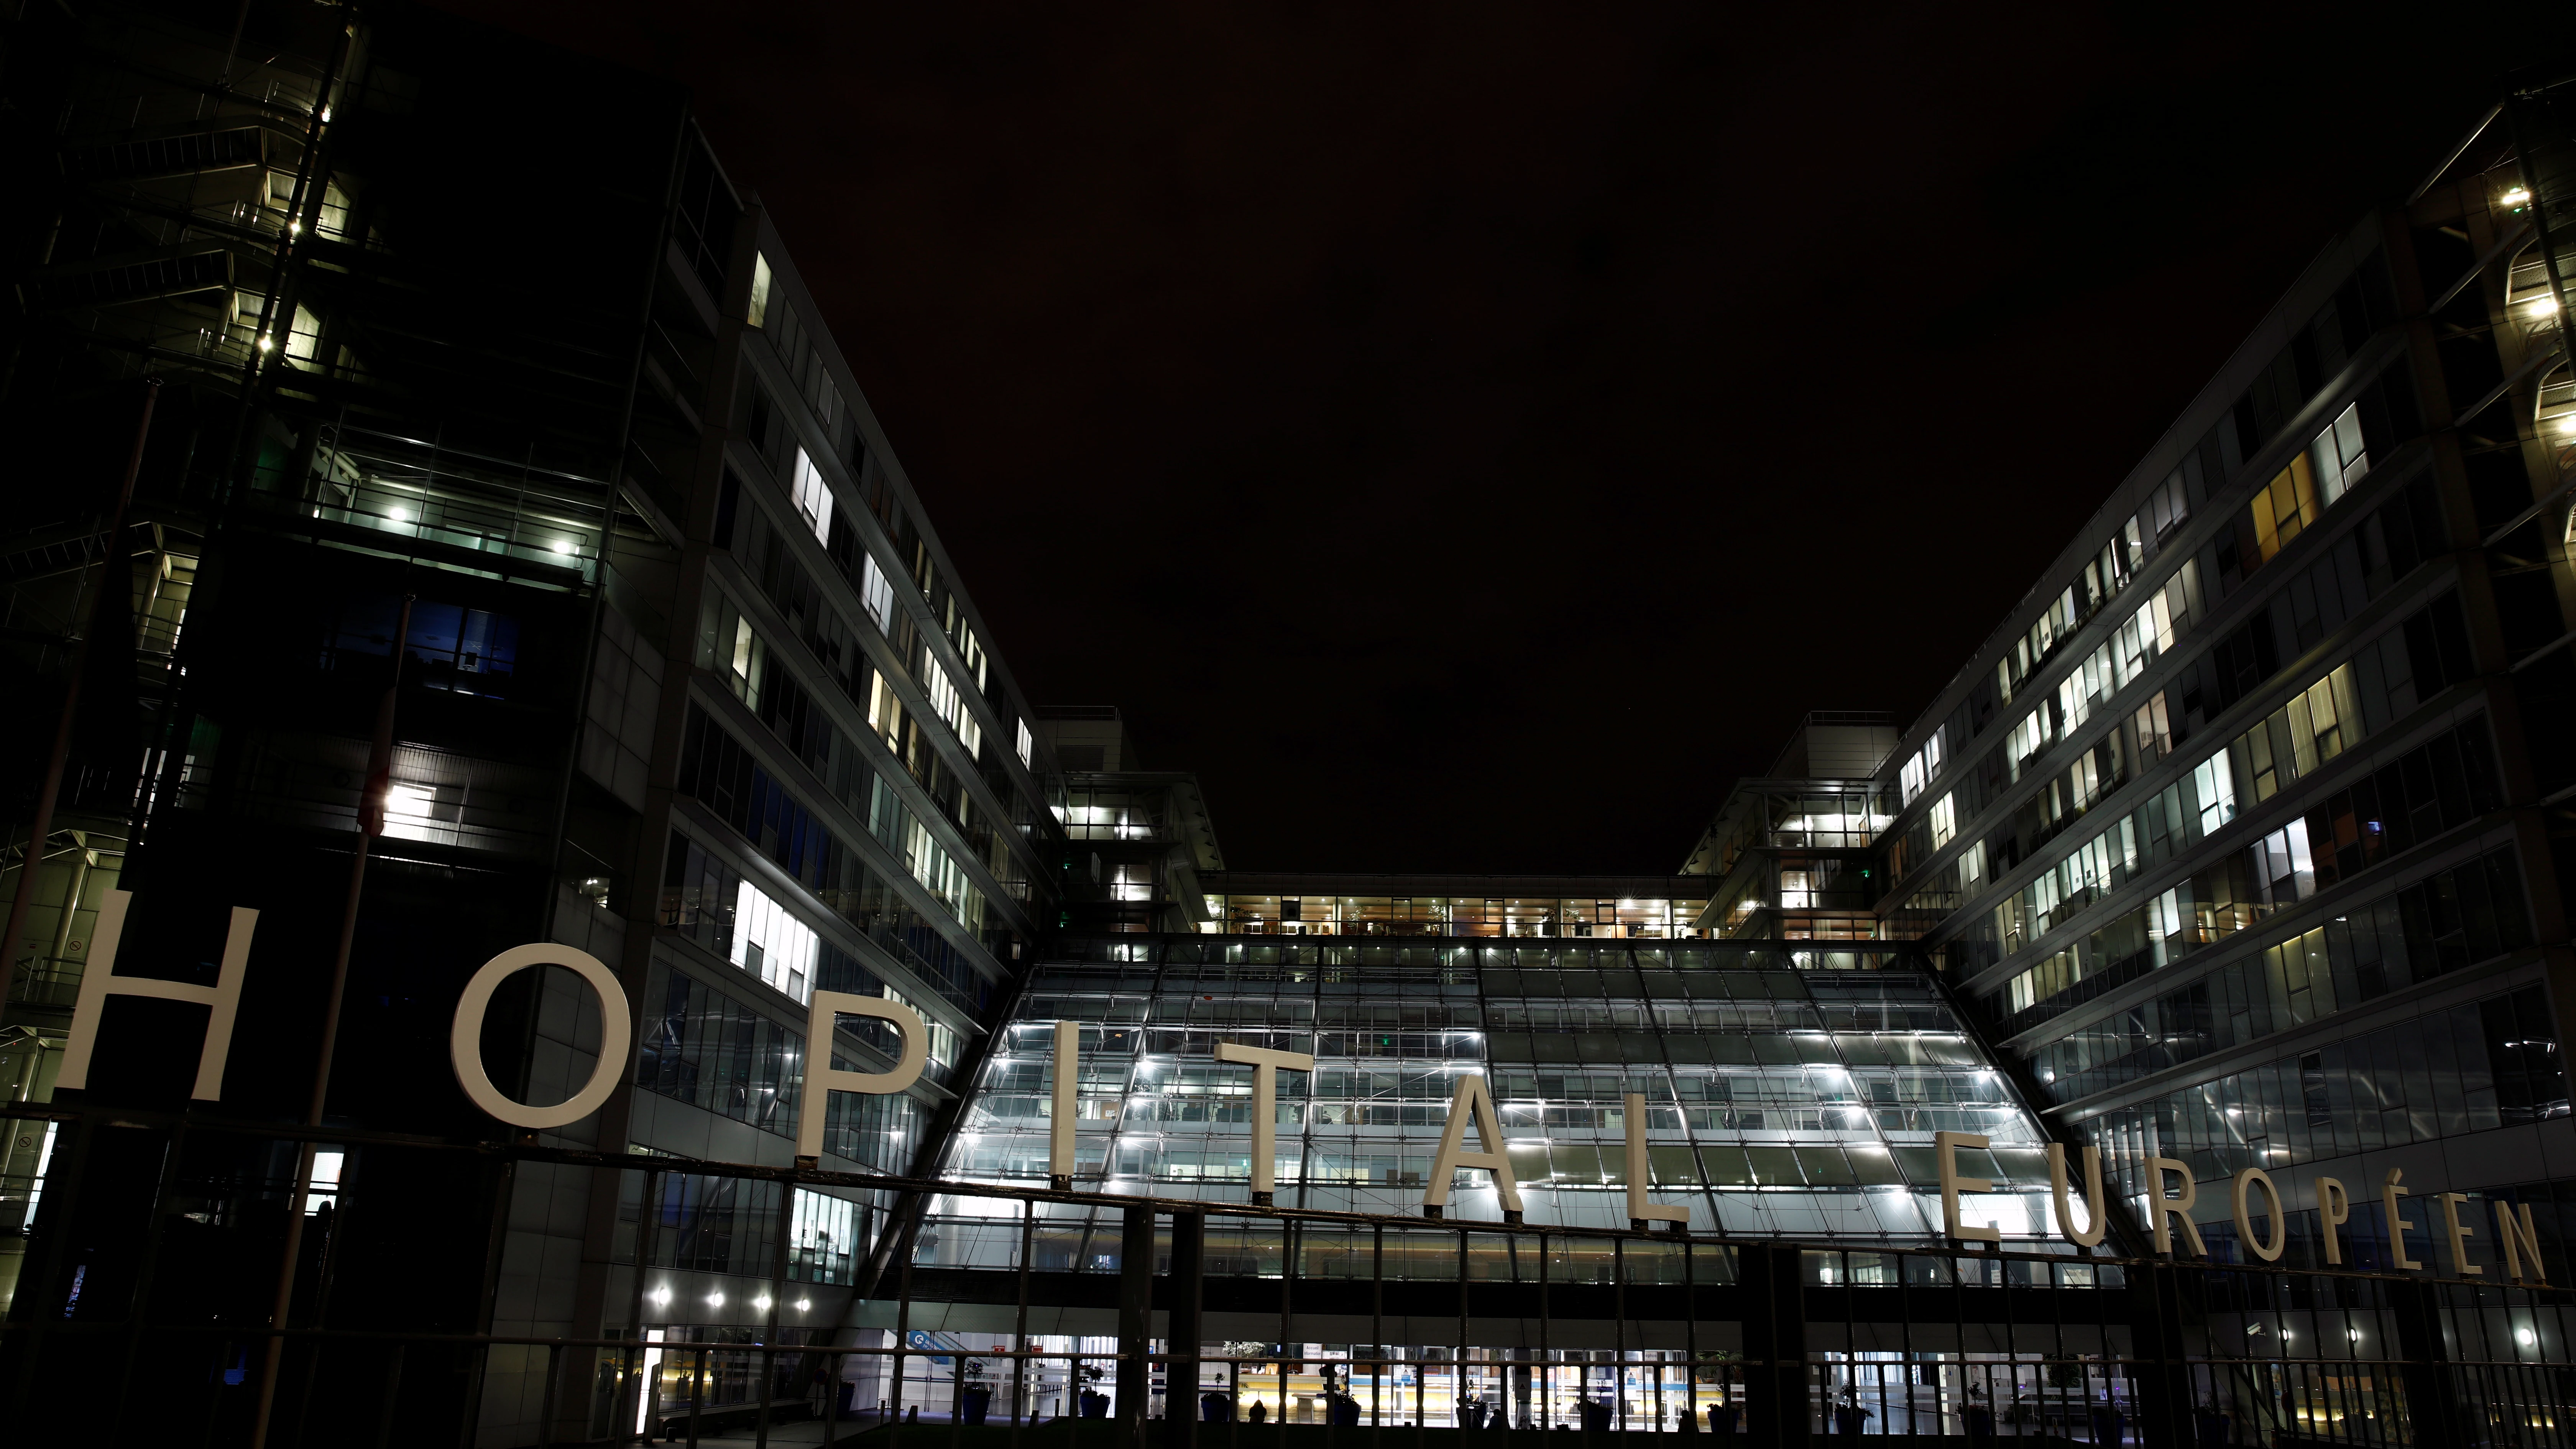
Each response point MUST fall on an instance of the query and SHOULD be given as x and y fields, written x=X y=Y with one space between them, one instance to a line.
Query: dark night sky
x=1470 y=437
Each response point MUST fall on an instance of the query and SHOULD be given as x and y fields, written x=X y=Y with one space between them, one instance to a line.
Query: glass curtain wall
x=1788 y=1091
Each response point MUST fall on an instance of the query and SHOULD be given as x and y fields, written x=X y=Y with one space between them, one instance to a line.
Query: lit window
x=326 y=1181
x=759 y=290
x=1945 y=820
x=877 y=593
x=1922 y=769
x=813 y=497
x=2338 y=455
x=1027 y=745
x=304 y=337
x=2214 y=786
x=771 y=944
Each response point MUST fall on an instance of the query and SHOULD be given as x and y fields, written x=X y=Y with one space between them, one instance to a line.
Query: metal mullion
x=48 y=1277
x=393 y=1391
x=1458 y=1387
x=697 y=1394
x=780 y=1262
x=1020 y=1324
x=648 y=1221
x=546 y=1411
x=140 y=1313
x=1619 y=1330
x=1377 y=1337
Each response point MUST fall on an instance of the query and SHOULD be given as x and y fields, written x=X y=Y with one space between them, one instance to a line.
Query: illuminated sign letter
x=1945 y=1146
x=2460 y=1233
x=2508 y=1231
x=1068 y=1065
x=2245 y=1181
x=822 y=1078
x=2389 y=1193
x=465 y=1036
x=2093 y=1199
x=100 y=981
x=2334 y=1208
x=1265 y=1065
x=2168 y=1210
x=1641 y=1211
x=1471 y=1100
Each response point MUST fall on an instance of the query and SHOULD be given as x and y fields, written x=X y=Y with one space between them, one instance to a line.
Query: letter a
x=1471 y=1100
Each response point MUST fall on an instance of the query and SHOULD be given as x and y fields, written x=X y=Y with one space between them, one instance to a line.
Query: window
x=825 y=1236
x=772 y=944
x=2283 y=508
x=813 y=497
x=2338 y=456
x=877 y=593
x=2028 y=738
x=2154 y=729
x=449 y=647
x=1922 y=769
x=1945 y=820
x=2214 y=786
x=1027 y=745
x=885 y=712
x=949 y=705
x=759 y=291
x=2167 y=507
x=303 y=338
x=2282 y=865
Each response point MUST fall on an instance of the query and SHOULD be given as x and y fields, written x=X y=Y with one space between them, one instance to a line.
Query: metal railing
x=1367 y=1326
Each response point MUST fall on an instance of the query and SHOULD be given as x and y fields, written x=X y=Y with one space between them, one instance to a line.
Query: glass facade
x=1787 y=1089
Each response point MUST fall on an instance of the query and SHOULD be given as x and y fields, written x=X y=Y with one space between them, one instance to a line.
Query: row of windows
x=2384 y=680
x=2383 y=417
x=730 y=646
x=2362 y=564
x=697 y=1223
x=2474 y=1067
x=727 y=644
x=2441 y=784
x=811 y=495
x=702 y=1047
x=2447 y=921
x=717 y=771
x=1016 y=1088
x=706 y=901
x=1466 y=960
x=1670 y=1166
x=2099 y=580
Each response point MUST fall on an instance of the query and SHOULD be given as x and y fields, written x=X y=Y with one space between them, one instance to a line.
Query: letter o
x=465 y=1036
x=2246 y=1180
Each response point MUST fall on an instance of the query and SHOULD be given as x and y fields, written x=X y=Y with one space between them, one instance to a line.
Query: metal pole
x=697 y=1393
x=41 y=825
x=780 y=1261
x=546 y=1413
x=648 y=1216
x=371 y=823
x=1020 y=1324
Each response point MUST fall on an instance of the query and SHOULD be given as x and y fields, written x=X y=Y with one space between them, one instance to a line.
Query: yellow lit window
x=2285 y=506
